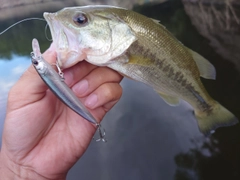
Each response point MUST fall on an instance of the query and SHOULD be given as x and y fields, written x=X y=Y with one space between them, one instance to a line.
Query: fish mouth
x=63 y=40
x=49 y=17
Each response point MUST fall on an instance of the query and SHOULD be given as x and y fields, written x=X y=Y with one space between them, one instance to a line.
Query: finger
x=74 y=74
x=95 y=79
x=107 y=94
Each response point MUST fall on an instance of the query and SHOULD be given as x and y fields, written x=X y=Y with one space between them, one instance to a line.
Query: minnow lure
x=55 y=81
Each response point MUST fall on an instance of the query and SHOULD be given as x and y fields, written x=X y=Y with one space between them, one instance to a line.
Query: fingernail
x=91 y=101
x=68 y=76
x=81 y=87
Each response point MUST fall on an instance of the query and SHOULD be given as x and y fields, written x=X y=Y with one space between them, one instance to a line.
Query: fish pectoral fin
x=120 y=59
x=206 y=69
x=172 y=101
x=139 y=60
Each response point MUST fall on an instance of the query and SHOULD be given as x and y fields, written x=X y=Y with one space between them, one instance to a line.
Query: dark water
x=147 y=139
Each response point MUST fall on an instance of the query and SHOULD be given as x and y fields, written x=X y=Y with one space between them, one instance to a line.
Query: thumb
x=30 y=87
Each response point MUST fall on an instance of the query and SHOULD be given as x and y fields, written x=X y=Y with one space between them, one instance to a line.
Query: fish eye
x=80 y=19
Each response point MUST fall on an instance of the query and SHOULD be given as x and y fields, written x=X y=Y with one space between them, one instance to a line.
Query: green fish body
x=139 y=48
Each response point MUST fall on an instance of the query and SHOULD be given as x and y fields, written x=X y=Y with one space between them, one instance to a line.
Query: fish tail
x=218 y=116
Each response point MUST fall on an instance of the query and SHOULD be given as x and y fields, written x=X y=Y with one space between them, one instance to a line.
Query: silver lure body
x=57 y=85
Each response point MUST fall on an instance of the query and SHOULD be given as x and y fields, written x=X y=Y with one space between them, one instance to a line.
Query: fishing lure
x=55 y=81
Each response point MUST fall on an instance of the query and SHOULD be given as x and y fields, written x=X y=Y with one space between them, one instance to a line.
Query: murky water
x=147 y=139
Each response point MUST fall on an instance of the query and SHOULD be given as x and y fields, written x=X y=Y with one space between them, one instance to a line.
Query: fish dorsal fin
x=206 y=69
x=172 y=101
x=158 y=23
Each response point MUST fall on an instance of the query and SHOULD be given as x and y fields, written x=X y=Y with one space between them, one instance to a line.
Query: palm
x=56 y=141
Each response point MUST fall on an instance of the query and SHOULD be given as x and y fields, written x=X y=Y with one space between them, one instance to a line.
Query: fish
x=55 y=82
x=141 y=49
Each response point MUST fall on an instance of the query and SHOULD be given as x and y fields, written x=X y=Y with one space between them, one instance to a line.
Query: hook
x=101 y=132
x=61 y=74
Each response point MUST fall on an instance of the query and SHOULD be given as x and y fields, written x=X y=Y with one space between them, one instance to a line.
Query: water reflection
x=147 y=138
x=210 y=159
x=10 y=71
x=144 y=136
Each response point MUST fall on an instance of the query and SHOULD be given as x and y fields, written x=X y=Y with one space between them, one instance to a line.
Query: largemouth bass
x=139 y=48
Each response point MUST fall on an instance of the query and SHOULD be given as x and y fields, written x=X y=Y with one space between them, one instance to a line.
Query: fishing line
x=27 y=19
x=46 y=33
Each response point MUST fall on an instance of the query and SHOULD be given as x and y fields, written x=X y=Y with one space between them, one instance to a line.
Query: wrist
x=12 y=171
x=9 y=171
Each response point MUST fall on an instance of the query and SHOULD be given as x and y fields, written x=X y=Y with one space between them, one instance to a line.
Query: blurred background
x=147 y=139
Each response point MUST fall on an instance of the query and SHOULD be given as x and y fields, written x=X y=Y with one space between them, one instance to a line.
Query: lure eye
x=80 y=19
x=35 y=62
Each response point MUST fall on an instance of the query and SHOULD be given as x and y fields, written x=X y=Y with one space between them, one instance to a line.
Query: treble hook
x=101 y=132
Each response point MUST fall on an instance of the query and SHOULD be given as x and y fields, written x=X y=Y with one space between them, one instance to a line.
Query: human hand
x=43 y=138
